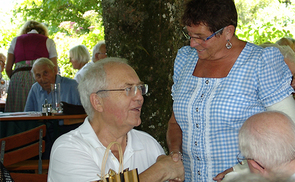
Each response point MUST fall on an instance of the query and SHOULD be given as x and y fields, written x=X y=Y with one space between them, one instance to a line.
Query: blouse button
x=197 y=109
x=199 y=173
x=196 y=143
x=197 y=125
x=207 y=81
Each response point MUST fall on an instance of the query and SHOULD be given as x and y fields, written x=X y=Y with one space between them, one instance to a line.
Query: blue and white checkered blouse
x=210 y=111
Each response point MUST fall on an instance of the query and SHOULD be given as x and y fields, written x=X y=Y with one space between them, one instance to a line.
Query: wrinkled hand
x=221 y=175
x=173 y=166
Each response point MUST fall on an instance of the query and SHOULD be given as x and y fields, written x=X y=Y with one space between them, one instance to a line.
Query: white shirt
x=79 y=75
x=78 y=155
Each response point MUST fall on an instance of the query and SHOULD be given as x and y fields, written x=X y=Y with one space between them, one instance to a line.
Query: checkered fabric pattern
x=210 y=111
x=18 y=90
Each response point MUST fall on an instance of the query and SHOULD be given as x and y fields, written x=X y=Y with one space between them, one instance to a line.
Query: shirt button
x=196 y=143
x=197 y=109
x=207 y=81
x=202 y=95
x=198 y=158
x=197 y=125
x=199 y=173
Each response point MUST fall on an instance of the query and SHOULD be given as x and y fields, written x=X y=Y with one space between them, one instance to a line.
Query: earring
x=228 y=45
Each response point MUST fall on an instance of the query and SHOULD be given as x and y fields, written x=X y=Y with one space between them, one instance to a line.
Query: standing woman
x=79 y=57
x=32 y=44
x=219 y=82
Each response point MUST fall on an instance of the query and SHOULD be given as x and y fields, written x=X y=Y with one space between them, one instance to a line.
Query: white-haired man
x=267 y=141
x=267 y=145
x=111 y=94
x=45 y=74
x=99 y=51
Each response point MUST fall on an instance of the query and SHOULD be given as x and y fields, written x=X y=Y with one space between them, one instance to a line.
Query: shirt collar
x=88 y=134
x=33 y=31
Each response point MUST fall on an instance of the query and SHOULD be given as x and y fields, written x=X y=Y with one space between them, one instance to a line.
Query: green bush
x=265 y=33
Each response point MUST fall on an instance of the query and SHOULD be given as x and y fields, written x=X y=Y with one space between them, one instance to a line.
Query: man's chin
x=46 y=87
x=138 y=123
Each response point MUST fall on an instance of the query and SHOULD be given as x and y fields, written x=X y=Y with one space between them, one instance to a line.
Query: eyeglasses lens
x=131 y=91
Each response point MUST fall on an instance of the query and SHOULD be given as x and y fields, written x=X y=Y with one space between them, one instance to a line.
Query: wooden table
x=25 y=116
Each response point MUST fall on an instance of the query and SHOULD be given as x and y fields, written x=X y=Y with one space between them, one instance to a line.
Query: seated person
x=266 y=140
x=79 y=57
x=99 y=51
x=45 y=74
x=111 y=94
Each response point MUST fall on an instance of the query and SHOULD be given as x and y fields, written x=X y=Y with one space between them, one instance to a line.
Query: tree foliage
x=53 y=12
x=70 y=22
x=265 y=20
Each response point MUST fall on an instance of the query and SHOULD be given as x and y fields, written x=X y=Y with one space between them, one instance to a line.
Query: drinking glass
x=55 y=94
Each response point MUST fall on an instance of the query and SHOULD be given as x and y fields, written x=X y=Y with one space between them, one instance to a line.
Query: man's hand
x=173 y=166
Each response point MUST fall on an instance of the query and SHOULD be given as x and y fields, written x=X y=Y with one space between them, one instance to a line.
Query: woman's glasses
x=198 y=39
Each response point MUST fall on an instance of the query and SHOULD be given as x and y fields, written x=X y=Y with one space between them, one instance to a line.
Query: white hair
x=94 y=80
x=80 y=54
x=269 y=138
x=96 y=49
x=43 y=61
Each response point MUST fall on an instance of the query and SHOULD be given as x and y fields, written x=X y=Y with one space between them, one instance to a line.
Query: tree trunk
x=148 y=34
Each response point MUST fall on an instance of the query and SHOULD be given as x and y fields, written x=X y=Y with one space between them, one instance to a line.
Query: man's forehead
x=122 y=74
x=41 y=68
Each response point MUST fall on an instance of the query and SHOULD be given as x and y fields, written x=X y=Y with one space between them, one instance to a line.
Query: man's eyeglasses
x=240 y=160
x=198 y=39
x=131 y=91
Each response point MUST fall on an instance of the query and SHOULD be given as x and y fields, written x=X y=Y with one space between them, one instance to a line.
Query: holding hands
x=167 y=167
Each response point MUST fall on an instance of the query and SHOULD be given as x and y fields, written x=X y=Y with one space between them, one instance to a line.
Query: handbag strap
x=105 y=157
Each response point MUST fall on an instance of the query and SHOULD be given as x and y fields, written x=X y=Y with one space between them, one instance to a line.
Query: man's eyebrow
x=131 y=84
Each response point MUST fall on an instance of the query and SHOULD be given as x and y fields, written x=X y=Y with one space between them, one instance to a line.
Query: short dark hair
x=215 y=14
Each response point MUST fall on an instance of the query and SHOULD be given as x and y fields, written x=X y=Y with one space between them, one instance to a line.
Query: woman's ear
x=96 y=102
x=229 y=31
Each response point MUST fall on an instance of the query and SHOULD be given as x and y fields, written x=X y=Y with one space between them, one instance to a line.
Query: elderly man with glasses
x=267 y=144
x=112 y=95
